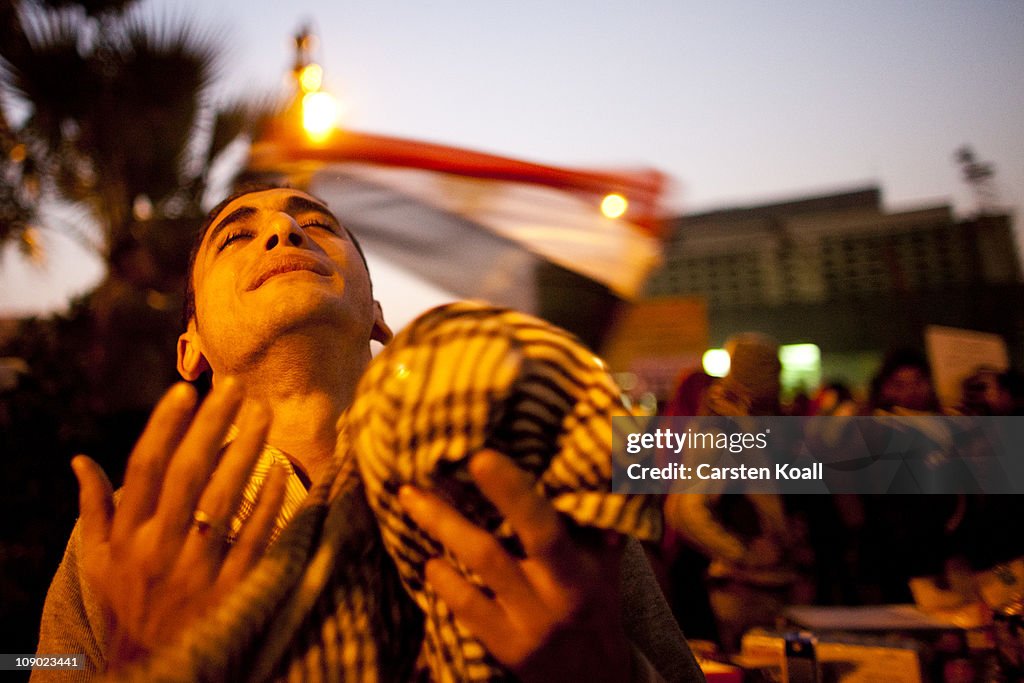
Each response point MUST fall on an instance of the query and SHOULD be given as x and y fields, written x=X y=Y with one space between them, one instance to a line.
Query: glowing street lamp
x=716 y=362
x=319 y=115
x=614 y=205
x=320 y=110
x=311 y=77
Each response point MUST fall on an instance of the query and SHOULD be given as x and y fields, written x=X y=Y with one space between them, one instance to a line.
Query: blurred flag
x=525 y=235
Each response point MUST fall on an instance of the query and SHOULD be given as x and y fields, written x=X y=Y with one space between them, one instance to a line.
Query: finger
x=474 y=547
x=224 y=492
x=481 y=615
x=148 y=462
x=195 y=459
x=258 y=531
x=511 y=489
x=95 y=501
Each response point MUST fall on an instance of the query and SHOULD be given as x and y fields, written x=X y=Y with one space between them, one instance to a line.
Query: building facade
x=841 y=272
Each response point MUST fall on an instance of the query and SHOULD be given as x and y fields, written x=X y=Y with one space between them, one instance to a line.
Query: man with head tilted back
x=280 y=315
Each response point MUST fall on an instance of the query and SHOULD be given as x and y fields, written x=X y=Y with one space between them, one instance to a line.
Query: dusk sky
x=738 y=102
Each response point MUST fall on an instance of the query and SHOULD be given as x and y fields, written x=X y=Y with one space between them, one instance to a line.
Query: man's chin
x=311 y=309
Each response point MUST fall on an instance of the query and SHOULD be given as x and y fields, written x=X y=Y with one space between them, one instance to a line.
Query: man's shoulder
x=649 y=622
x=72 y=621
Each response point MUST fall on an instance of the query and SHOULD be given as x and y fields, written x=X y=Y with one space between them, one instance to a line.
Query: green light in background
x=800 y=356
x=801 y=368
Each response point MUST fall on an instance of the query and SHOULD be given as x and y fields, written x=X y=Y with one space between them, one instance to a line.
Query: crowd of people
x=732 y=562
x=278 y=323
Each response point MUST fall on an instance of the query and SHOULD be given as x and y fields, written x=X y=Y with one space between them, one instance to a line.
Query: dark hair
x=188 y=311
x=896 y=360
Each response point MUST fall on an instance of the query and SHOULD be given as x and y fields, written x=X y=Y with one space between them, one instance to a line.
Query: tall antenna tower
x=979 y=176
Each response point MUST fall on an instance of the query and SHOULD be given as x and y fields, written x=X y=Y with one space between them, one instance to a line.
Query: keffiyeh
x=341 y=595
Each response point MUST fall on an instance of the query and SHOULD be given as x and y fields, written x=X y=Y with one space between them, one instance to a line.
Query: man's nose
x=284 y=231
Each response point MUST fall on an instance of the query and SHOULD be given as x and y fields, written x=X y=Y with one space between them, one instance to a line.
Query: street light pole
x=318 y=109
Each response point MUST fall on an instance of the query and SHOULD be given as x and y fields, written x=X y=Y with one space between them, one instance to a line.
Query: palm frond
x=51 y=75
x=93 y=8
x=179 y=55
x=119 y=106
x=16 y=214
x=164 y=76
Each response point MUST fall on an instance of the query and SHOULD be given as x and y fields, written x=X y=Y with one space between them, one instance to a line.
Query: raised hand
x=553 y=615
x=161 y=557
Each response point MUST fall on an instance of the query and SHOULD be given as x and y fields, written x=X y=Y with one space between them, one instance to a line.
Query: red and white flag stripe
x=477 y=224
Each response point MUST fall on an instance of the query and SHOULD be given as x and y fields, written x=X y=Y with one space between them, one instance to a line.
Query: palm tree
x=114 y=116
x=119 y=118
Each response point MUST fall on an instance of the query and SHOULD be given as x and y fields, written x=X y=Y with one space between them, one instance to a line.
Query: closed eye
x=317 y=223
x=233 y=236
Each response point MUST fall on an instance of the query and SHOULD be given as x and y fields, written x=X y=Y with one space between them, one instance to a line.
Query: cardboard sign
x=956 y=354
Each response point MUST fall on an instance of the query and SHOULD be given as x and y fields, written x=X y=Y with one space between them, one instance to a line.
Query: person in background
x=903 y=383
x=1011 y=391
x=834 y=398
x=691 y=387
x=681 y=568
x=751 y=543
x=912 y=535
x=980 y=393
x=987 y=391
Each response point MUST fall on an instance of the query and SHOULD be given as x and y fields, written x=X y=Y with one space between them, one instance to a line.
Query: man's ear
x=381 y=332
x=191 y=361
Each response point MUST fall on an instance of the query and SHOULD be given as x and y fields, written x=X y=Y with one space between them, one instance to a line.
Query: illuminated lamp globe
x=311 y=77
x=319 y=115
x=614 y=205
x=716 y=362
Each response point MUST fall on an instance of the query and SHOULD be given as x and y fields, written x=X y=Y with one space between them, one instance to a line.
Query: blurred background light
x=319 y=115
x=614 y=205
x=716 y=362
x=800 y=356
x=801 y=368
x=311 y=78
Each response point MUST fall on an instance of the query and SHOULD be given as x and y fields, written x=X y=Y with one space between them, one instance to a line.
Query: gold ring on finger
x=207 y=525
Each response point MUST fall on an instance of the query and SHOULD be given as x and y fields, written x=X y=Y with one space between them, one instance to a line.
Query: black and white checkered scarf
x=341 y=595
